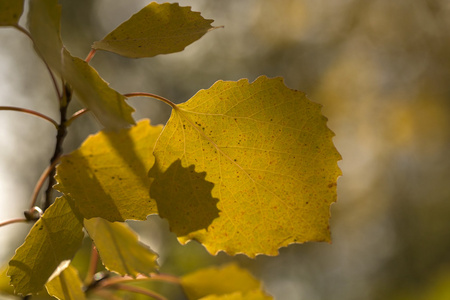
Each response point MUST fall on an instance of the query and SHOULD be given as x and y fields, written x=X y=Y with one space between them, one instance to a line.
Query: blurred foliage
x=382 y=71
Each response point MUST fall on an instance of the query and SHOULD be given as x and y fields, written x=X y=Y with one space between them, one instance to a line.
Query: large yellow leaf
x=107 y=176
x=268 y=152
x=10 y=12
x=226 y=280
x=120 y=249
x=156 y=29
x=66 y=286
x=55 y=237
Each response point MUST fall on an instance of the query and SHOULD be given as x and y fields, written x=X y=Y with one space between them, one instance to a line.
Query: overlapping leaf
x=107 y=176
x=66 y=286
x=228 y=281
x=10 y=12
x=120 y=249
x=55 y=237
x=270 y=155
x=156 y=29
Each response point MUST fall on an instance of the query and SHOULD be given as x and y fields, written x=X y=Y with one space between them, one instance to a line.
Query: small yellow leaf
x=251 y=295
x=10 y=12
x=156 y=29
x=219 y=281
x=44 y=22
x=268 y=152
x=66 y=286
x=107 y=176
x=55 y=237
x=105 y=103
x=120 y=249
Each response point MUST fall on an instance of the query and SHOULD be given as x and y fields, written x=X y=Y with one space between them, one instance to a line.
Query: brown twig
x=149 y=95
x=31 y=112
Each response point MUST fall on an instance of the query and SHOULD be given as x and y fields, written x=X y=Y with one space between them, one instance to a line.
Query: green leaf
x=156 y=29
x=251 y=295
x=107 y=176
x=66 y=286
x=107 y=104
x=120 y=249
x=44 y=18
x=220 y=281
x=10 y=12
x=268 y=152
x=55 y=237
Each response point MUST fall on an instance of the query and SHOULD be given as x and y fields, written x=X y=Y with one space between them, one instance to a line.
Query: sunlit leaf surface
x=107 y=176
x=268 y=152
x=55 y=237
x=66 y=286
x=156 y=29
x=120 y=249
x=226 y=280
x=10 y=12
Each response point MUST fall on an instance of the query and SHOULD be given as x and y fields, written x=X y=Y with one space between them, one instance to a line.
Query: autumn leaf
x=108 y=106
x=107 y=176
x=66 y=286
x=120 y=249
x=268 y=152
x=226 y=280
x=156 y=29
x=251 y=295
x=55 y=237
x=10 y=12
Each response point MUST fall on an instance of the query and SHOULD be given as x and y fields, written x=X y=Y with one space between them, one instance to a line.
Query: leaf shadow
x=183 y=198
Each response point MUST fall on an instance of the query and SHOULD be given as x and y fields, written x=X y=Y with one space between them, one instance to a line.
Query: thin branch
x=153 y=277
x=55 y=84
x=41 y=181
x=139 y=290
x=149 y=95
x=12 y=221
x=60 y=135
x=76 y=115
x=31 y=112
x=92 y=266
x=106 y=294
x=90 y=55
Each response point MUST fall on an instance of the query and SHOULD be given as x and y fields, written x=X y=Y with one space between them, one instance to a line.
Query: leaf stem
x=12 y=221
x=41 y=181
x=76 y=115
x=92 y=266
x=90 y=55
x=153 y=277
x=31 y=112
x=55 y=84
x=139 y=290
x=149 y=95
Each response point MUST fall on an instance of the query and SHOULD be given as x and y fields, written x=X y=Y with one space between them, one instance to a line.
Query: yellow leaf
x=268 y=152
x=251 y=295
x=105 y=103
x=156 y=29
x=44 y=22
x=120 y=249
x=55 y=237
x=107 y=176
x=66 y=286
x=10 y=12
x=220 y=281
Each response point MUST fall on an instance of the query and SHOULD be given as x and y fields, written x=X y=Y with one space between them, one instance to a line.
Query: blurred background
x=381 y=70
